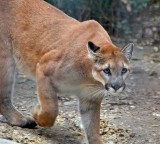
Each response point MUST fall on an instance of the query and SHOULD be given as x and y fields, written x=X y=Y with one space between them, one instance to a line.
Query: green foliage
x=139 y=4
x=116 y=16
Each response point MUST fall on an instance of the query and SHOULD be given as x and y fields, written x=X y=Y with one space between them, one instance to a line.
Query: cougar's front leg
x=45 y=113
x=90 y=115
x=7 y=80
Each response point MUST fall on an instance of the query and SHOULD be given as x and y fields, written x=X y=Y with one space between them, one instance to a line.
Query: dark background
x=136 y=19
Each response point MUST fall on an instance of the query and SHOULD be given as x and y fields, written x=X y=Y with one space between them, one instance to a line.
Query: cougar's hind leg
x=7 y=74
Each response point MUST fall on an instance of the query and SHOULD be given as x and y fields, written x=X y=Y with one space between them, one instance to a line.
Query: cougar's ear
x=92 y=50
x=92 y=47
x=128 y=50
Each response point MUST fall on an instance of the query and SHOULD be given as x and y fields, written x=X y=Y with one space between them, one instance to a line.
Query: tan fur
x=52 y=47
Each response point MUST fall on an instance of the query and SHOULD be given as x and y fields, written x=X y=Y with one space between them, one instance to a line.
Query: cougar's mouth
x=114 y=90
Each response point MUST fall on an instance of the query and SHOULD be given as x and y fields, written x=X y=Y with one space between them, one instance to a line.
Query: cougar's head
x=110 y=65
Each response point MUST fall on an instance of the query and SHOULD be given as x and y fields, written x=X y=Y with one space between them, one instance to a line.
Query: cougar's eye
x=124 y=70
x=107 y=71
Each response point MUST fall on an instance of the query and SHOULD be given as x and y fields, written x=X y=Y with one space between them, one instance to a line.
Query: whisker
x=93 y=92
x=96 y=90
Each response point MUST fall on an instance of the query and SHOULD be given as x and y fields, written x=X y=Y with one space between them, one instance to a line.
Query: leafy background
x=122 y=18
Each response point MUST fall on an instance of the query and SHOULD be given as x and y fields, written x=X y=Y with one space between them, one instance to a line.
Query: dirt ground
x=131 y=118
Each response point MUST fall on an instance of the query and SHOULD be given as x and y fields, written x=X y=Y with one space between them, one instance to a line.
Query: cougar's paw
x=43 y=118
x=30 y=123
x=25 y=122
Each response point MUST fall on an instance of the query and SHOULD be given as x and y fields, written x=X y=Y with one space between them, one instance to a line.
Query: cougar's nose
x=117 y=86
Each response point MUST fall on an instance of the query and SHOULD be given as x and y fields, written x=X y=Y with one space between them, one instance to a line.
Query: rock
x=155 y=49
x=4 y=141
x=153 y=73
x=157 y=114
x=140 y=47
